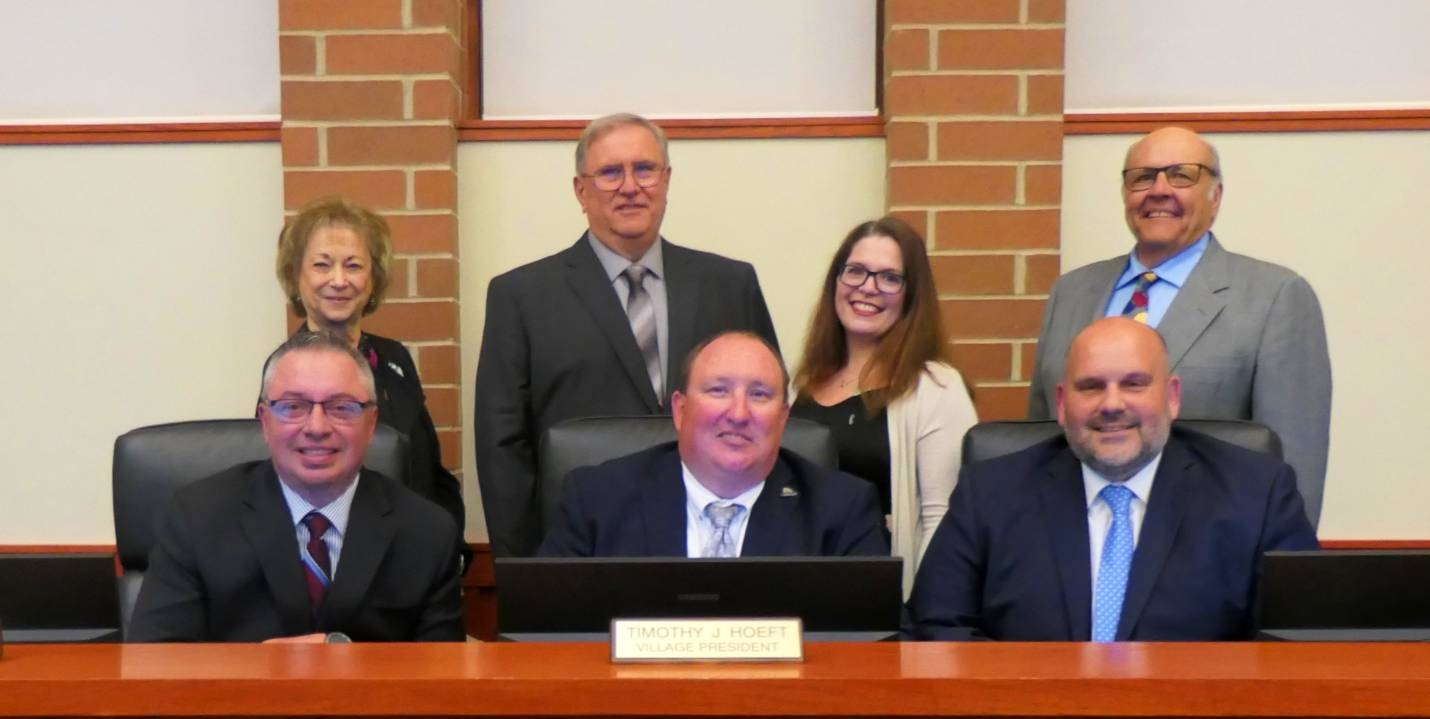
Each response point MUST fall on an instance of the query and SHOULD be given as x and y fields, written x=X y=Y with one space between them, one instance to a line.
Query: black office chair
x=588 y=441
x=987 y=440
x=151 y=463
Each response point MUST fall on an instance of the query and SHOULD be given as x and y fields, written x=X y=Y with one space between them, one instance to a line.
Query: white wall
x=1343 y=210
x=138 y=288
x=782 y=204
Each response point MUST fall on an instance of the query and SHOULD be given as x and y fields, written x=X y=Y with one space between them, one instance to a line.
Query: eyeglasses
x=295 y=409
x=611 y=177
x=888 y=282
x=1185 y=174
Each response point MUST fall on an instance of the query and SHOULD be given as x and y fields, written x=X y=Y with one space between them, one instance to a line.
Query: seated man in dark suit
x=725 y=488
x=309 y=543
x=1122 y=529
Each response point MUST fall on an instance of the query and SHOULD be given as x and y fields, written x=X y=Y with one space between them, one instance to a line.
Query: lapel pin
x=393 y=366
x=788 y=492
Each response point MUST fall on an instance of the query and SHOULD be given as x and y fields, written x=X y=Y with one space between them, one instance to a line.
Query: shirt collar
x=1174 y=271
x=697 y=495
x=1140 y=483
x=614 y=263
x=336 y=511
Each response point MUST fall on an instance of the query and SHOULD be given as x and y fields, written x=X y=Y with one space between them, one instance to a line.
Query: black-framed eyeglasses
x=611 y=177
x=1183 y=174
x=297 y=409
x=888 y=282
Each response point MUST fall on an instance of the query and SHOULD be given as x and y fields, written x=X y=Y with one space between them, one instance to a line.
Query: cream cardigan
x=926 y=429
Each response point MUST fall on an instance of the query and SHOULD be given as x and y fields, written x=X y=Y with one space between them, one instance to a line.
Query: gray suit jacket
x=557 y=345
x=1245 y=336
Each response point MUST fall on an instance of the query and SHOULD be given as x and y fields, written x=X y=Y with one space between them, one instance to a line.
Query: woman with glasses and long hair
x=335 y=264
x=875 y=370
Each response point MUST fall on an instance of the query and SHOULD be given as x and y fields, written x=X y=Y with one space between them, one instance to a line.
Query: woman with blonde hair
x=875 y=370
x=335 y=264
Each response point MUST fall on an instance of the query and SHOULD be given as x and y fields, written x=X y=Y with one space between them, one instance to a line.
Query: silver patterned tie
x=723 y=543
x=641 y=313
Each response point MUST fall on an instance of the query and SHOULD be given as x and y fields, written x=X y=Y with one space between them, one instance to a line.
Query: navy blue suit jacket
x=634 y=506
x=1011 y=560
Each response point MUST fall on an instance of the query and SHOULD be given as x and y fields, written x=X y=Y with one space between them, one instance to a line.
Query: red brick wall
x=371 y=95
x=973 y=93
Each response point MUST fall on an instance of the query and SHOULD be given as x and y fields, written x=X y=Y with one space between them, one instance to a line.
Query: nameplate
x=707 y=640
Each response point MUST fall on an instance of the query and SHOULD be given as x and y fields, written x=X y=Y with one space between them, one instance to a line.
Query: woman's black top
x=863 y=441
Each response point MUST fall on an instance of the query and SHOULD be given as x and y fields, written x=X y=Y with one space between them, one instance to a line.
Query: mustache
x=1118 y=418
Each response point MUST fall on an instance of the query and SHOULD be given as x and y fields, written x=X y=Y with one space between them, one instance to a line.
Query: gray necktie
x=723 y=543
x=641 y=312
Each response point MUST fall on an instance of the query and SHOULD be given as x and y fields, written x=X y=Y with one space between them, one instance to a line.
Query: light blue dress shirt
x=1171 y=275
x=699 y=530
x=336 y=511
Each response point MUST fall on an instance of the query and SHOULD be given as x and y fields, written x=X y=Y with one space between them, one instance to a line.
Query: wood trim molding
x=139 y=133
x=1271 y=121
x=698 y=129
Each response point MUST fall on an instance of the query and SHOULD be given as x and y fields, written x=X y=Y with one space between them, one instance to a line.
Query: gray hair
x=319 y=341
x=602 y=126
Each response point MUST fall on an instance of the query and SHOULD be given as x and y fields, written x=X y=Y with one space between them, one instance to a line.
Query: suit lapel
x=588 y=280
x=682 y=293
x=369 y=533
x=1199 y=302
x=268 y=526
x=774 y=527
x=663 y=507
x=1098 y=292
x=1159 y=531
x=1065 y=507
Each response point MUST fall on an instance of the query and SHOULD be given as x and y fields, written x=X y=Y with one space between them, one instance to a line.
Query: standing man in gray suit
x=1246 y=336
x=599 y=328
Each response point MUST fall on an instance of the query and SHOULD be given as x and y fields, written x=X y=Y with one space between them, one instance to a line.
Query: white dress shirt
x=699 y=530
x=1099 y=515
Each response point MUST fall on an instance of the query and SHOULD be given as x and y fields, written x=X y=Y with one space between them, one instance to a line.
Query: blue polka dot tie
x=1116 y=565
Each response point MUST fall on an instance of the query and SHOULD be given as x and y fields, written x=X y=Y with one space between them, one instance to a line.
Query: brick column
x=974 y=98
x=371 y=95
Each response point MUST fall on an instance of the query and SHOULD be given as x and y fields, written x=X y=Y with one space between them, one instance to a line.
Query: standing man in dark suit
x=598 y=328
x=725 y=488
x=1123 y=529
x=309 y=543
x=1246 y=336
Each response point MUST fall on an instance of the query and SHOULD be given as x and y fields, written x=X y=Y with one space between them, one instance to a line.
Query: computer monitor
x=850 y=598
x=59 y=597
x=1346 y=595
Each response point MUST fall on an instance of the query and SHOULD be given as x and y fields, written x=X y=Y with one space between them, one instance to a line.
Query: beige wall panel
x=138 y=289
x=782 y=204
x=1343 y=210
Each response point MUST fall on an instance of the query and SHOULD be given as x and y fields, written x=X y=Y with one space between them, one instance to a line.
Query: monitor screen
x=582 y=595
x=59 y=597
x=1361 y=595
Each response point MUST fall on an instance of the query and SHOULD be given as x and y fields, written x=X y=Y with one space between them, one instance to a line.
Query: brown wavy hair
x=914 y=339
x=334 y=212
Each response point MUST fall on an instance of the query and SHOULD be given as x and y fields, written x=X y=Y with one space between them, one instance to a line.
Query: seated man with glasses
x=1246 y=336
x=600 y=327
x=308 y=544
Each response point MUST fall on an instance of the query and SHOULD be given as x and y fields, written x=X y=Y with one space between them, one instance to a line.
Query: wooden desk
x=1188 y=680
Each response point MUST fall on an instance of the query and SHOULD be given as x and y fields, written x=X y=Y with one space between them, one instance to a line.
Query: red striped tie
x=316 y=564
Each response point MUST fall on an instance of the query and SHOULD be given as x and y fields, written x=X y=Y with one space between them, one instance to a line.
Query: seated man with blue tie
x=310 y=544
x=725 y=488
x=1122 y=529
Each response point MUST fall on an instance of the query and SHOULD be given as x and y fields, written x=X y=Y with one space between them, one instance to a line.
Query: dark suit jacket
x=634 y=506
x=227 y=568
x=1245 y=336
x=557 y=345
x=1011 y=560
x=402 y=404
